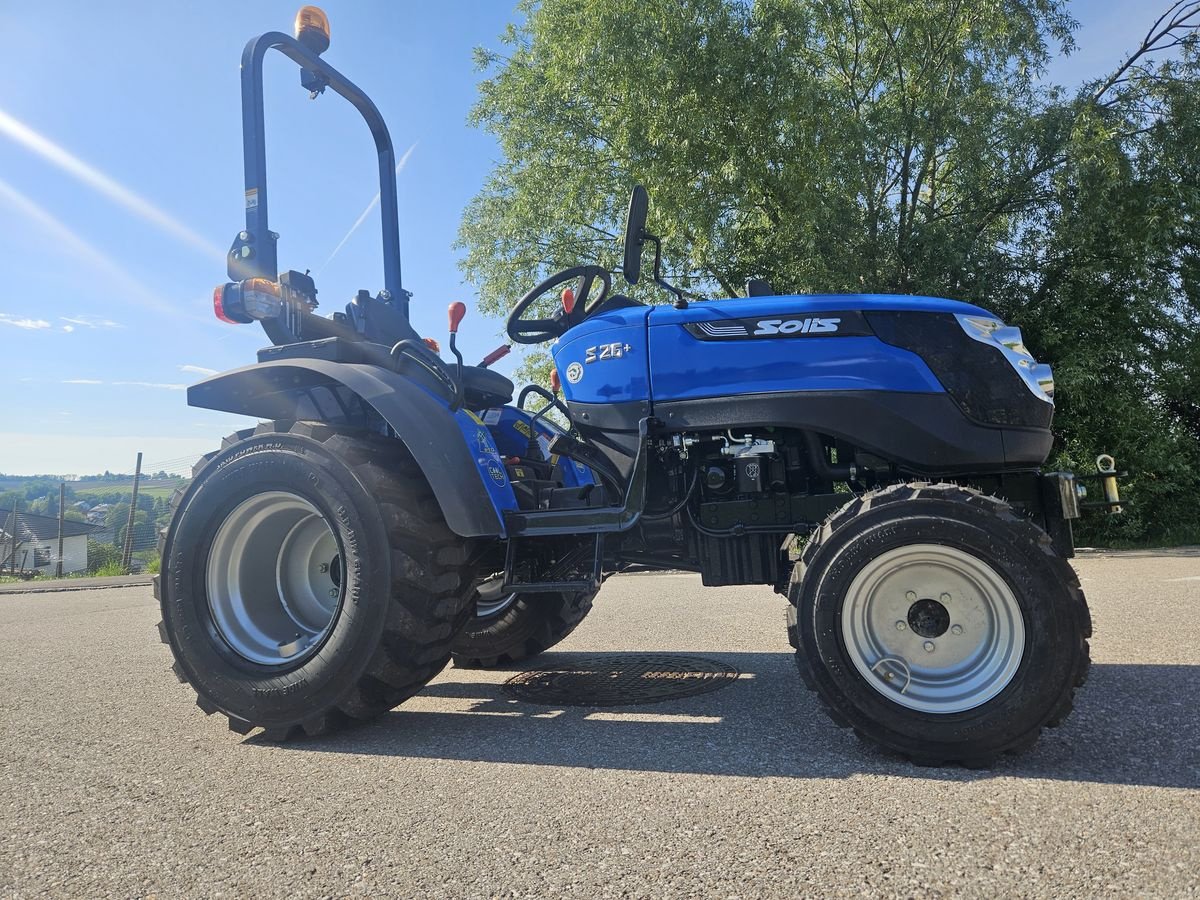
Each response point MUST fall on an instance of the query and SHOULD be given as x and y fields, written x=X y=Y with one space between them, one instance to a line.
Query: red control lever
x=555 y=382
x=499 y=353
x=457 y=310
x=568 y=301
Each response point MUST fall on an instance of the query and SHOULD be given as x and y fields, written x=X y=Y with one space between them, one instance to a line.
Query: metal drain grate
x=621 y=679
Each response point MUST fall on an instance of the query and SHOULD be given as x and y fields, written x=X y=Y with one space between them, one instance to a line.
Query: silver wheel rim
x=490 y=600
x=933 y=628
x=274 y=579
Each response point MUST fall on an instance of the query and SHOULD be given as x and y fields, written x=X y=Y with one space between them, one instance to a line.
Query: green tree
x=47 y=504
x=877 y=145
x=102 y=555
x=827 y=146
x=118 y=514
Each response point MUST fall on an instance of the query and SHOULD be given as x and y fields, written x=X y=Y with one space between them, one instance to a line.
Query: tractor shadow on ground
x=1132 y=725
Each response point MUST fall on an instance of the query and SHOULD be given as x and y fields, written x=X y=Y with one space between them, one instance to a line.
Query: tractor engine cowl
x=982 y=363
x=1008 y=338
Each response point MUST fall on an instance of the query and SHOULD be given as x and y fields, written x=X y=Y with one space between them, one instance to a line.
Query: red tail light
x=227 y=304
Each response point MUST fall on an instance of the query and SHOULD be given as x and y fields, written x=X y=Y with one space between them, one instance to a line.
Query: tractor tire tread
x=997 y=507
x=432 y=579
x=550 y=618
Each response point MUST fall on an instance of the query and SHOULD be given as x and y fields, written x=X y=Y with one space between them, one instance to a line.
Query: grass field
x=85 y=489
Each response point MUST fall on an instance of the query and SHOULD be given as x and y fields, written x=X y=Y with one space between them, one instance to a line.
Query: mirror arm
x=680 y=302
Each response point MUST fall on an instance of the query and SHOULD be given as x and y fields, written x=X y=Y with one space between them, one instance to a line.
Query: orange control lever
x=568 y=301
x=499 y=353
x=555 y=382
x=457 y=310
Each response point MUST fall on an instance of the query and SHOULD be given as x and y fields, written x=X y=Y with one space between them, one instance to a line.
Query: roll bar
x=253 y=254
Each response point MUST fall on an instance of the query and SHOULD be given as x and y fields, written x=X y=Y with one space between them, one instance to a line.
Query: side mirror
x=635 y=234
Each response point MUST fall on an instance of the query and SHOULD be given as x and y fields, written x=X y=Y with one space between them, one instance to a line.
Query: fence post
x=62 y=490
x=128 y=554
x=10 y=557
x=16 y=523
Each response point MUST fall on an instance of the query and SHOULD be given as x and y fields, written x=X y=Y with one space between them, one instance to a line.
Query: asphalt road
x=113 y=783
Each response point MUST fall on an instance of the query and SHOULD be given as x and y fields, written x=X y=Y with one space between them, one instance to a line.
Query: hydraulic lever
x=457 y=310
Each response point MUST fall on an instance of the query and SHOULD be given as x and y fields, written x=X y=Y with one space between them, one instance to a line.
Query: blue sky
x=121 y=187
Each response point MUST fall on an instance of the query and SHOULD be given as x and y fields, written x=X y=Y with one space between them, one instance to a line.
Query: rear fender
x=454 y=450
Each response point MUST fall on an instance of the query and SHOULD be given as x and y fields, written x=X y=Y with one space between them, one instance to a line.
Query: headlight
x=1037 y=376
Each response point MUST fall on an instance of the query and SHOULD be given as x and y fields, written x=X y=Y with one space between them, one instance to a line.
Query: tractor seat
x=483 y=388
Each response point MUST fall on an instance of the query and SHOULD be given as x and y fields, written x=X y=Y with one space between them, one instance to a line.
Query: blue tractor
x=875 y=459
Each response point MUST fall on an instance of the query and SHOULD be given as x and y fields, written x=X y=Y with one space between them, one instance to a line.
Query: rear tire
x=938 y=623
x=508 y=629
x=243 y=569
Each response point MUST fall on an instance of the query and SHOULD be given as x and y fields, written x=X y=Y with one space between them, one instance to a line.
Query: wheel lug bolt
x=900 y=626
x=929 y=647
x=333 y=593
x=957 y=629
x=946 y=598
x=323 y=568
x=911 y=596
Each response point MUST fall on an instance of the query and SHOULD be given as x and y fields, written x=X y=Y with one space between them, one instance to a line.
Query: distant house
x=36 y=546
x=97 y=514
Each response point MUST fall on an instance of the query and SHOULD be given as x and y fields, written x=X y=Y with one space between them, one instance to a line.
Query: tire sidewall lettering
x=269 y=463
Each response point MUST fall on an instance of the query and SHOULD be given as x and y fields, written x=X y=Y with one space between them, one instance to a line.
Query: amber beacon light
x=312 y=29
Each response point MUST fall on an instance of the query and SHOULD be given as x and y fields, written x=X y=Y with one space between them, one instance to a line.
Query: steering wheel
x=537 y=331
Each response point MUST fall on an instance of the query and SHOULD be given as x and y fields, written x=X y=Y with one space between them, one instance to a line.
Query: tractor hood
x=795 y=306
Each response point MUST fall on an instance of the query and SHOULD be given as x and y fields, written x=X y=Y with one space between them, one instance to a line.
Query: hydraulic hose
x=653 y=517
x=820 y=462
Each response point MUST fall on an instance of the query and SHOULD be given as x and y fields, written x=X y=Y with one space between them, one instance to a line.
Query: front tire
x=309 y=580
x=938 y=623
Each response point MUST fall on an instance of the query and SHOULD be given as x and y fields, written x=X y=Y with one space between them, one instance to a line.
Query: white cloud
x=22 y=322
x=73 y=322
x=198 y=370
x=151 y=384
x=145 y=384
x=89 y=322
